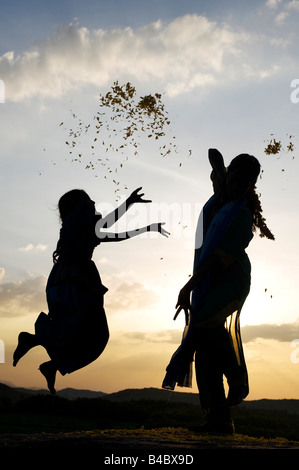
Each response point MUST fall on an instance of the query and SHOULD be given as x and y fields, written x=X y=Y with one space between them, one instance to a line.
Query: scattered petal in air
x=118 y=127
x=275 y=147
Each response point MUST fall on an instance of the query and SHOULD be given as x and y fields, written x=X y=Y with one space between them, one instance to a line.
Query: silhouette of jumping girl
x=213 y=297
x=75 y=331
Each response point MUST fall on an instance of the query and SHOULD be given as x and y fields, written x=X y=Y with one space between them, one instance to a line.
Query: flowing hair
x=248 y=169
x=259 y=222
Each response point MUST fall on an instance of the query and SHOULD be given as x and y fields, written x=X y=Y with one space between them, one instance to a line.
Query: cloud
x=281 y=17
x=2 y=273
x=190 y=52
x=287 y=9
x=186 y=53
x=28 y=296
x=132 y=296
x=293 y=5
x=31 y=247
x=283 y=333
x=163 y=336
x=22 y=298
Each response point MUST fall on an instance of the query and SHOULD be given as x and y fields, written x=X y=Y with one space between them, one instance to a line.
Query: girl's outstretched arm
x=113 y=217
x=118 y=237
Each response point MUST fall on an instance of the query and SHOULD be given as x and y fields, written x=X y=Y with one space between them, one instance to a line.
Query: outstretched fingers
x=163 y=231
x=135 y=197
x=186 y=311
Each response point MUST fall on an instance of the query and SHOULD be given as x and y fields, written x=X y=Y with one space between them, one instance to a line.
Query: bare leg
x=49 y=372
x=26 y=341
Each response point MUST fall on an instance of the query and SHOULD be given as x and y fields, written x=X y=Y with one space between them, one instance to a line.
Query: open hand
x=183 y=303
x=135 y=197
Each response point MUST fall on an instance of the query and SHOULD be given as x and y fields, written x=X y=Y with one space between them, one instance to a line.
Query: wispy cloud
x=163 y=336
x=284 y=333
x=281 y=17
x=293 y=5
x=22 y=298
x=282 y=9
x=273 y=4
x=130 y=296
x=28 y=296
x=31 y=247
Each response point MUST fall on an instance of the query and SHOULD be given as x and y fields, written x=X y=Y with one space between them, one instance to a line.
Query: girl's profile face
x=86 y=198
x=72 y=200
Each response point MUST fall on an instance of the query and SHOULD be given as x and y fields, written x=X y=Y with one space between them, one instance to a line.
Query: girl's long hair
x=67 y=203
x=249 y=168
x=259 y=222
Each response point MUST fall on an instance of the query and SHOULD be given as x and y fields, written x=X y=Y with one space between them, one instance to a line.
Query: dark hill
x=135 y=394
x=32 y=411
x=17 y=393
x=150 y=394
x=288 y=406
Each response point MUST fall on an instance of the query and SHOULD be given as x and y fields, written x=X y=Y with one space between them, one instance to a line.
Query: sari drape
x=219 y=297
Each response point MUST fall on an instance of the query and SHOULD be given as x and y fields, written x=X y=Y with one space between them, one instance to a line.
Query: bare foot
x=26 y=341
x=49 y=372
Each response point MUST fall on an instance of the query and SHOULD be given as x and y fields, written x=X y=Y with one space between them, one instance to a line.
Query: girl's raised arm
x=113 y=217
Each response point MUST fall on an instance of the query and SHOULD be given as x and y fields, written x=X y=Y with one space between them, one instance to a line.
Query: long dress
x=75 y=330
x=219 y=297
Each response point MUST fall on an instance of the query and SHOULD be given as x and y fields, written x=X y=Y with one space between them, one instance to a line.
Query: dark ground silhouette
x=124 y=421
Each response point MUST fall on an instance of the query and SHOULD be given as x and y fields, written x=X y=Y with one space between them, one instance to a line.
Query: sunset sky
x=224 y=70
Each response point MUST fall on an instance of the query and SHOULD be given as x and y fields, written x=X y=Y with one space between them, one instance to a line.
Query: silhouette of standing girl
x=213 y=297
x=75 y=331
